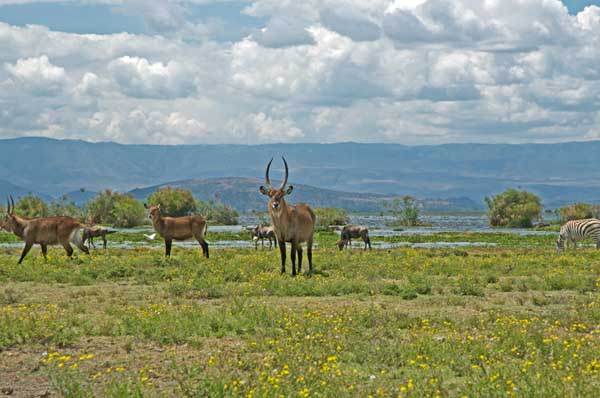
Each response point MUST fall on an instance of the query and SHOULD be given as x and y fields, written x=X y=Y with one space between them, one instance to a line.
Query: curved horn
x=285 y=179
x=12 y=201
x=7 y=206
x=267 y=179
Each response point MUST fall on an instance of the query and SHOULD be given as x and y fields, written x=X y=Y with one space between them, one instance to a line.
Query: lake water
x=377 y=228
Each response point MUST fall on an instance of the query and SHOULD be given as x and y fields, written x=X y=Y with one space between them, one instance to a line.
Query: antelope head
x=153 y=211
x=10 y=221
x=276 y=201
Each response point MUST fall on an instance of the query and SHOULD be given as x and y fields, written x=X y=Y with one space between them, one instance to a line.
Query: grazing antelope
x=178 y=228
x=96 y=232
x=44 y=231
x=353 y=231
x=292 y=223
x=262 y=232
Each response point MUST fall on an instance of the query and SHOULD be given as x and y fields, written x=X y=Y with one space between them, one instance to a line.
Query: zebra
x=575 y=230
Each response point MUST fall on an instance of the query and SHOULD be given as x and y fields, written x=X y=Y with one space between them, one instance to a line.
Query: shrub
x=578 y=211
x=514 y=209
x=174 y=202
x=120 y=210
x=31 y=206
x=61 y=207
x=327 y=216
x=405 y=211
x=218 y=213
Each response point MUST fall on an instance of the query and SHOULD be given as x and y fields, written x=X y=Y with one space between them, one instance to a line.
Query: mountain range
x=559 y=173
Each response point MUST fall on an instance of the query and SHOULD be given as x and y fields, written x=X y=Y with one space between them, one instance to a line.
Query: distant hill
x=243 y=195
x=7 y=188
x=80 y=197
x=557 y=172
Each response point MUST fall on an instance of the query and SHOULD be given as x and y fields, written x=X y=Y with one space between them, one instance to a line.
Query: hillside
x=558 y=172
x=243 y=195
x=7 y=188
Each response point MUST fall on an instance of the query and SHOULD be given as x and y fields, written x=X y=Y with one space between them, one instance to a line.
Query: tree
x=327 y=216
x=578 y=211
x=120 y=210
x=61 y=207
x=405 y=210
x=174 y=202
x=218 y=213
x=514 y=209
x=31 y=206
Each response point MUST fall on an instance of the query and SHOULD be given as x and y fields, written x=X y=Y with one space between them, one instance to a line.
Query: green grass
x=515 y=320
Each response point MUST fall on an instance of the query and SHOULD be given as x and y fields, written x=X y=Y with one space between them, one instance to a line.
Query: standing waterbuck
x=96 y=232
x=178 y=228
x=292 y=223
x=44 y=231
x=350 y=232
x=263 y=232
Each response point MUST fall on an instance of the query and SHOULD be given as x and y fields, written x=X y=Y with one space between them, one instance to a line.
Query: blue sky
x=255 y=71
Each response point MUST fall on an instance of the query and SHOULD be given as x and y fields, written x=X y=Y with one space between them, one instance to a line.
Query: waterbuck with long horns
x=292 y=223
x=44 y=231
x=178 y=228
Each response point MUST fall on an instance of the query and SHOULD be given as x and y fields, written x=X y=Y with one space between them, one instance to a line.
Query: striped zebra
x=576 y=230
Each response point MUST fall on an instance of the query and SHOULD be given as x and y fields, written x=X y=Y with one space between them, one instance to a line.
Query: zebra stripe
x=576 y=230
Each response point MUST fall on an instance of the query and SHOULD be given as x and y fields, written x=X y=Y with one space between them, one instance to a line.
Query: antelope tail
x=76 y=236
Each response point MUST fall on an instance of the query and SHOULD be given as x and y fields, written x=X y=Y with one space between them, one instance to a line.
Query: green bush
x=61 y=207
x=218 y=213
x=117 y=209
x=174 y=202
x=514 y=209
x=330 y=216
x=578 y=211
x=405 y=210
x=31 y=206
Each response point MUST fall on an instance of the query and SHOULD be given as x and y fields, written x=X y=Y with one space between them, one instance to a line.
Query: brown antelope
x=96 y=232
x=292 y=223
x=44 y=231
x=262 y=232
x=178 y=228
x=353 y=231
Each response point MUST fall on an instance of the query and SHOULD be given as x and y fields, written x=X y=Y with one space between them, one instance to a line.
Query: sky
x=268 y=71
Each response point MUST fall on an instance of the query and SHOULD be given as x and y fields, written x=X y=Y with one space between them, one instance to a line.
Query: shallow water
x=377 y=228
x=439 y=223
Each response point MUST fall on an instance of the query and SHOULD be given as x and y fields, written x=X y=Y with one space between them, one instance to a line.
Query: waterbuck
x=178 y=228
x=350 y=232
x=263 y=232
x=96 y=232
x=292 y=223
x=44 y=231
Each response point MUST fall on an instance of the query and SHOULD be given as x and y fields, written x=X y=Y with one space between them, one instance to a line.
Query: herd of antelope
x=293 y=224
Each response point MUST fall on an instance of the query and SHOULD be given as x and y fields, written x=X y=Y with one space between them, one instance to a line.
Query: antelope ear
x=263 y=190
x=146 y=206
x=158 y=206
x=289 y=190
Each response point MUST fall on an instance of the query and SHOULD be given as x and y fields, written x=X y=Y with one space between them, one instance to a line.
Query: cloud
x=37 y=75
x=140 y=78
x=263 y=128
x=409 y=71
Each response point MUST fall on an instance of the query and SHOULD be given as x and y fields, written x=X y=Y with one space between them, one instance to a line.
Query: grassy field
x=514 y=320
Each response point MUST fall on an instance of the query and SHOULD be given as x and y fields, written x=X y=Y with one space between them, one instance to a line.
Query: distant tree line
x=124 y=211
